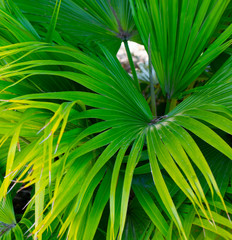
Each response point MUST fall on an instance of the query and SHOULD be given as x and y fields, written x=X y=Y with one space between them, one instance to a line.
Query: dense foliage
x=102 y=154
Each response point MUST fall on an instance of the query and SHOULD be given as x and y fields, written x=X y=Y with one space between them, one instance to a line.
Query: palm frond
x=107 y=22
x=180 y=36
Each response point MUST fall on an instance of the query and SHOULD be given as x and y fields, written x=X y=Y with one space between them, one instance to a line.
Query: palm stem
x=171 y=103
x=132 y=66
x=153 y=97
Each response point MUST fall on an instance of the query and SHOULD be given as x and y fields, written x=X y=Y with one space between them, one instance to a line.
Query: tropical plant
x=102 y=154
